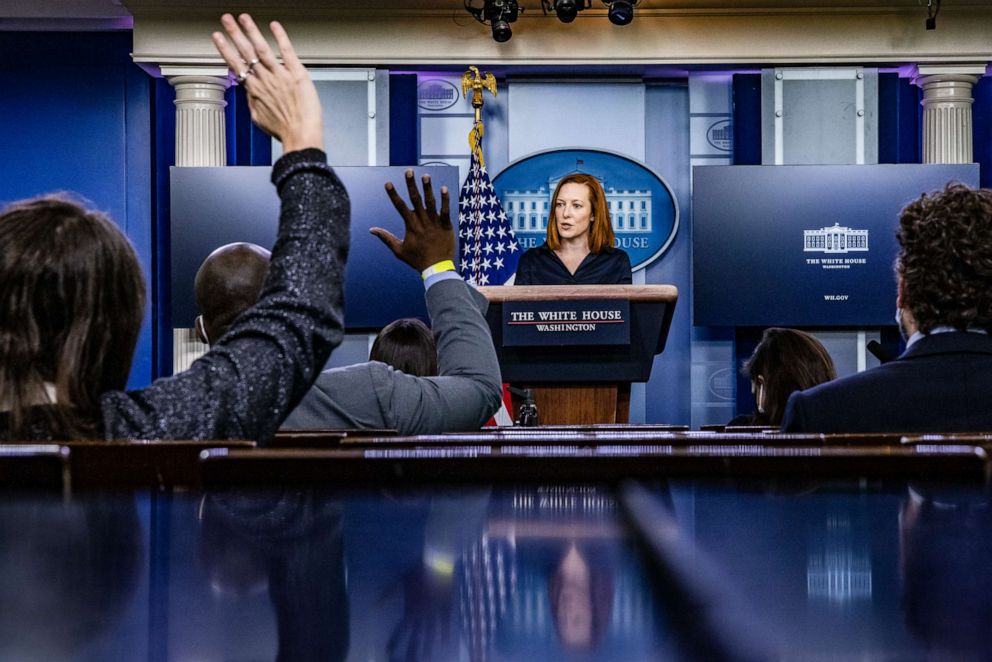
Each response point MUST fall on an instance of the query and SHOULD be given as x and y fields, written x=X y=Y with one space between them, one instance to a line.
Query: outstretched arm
x=374 y=395
x=468 y=390
x=248 y=382
x=282 y=98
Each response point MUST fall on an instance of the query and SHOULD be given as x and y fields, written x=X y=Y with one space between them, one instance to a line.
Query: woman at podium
x=579 y=247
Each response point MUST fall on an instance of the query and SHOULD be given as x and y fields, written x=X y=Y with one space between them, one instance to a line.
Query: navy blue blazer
x=942 y=383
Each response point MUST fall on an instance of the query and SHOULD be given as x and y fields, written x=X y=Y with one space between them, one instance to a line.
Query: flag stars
x=484 y=230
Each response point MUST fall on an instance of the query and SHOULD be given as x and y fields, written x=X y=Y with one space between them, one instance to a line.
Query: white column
x=200 y=141
x=200 y=127
x=947 y=99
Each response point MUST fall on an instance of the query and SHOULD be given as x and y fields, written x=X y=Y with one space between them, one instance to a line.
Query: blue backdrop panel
x=404 y=124
x=163 y=149
x=899 y=116
x=747 y=119
x=982 y=122
x=76 y=117
x=216 y=206
x=751 y=265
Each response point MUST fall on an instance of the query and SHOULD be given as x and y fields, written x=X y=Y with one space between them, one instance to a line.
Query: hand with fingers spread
x=429 y=237
x=281 y=96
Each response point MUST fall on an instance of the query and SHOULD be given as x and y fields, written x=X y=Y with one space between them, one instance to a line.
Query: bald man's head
x=228 y=283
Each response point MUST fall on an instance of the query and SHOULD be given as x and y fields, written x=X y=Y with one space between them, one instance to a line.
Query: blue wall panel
x=982 y=123
x=899 y=116
x=79 y=125
x=139 y=200
x=404 y=145
x=247 y=145
x=163 y=150
x=747 y=119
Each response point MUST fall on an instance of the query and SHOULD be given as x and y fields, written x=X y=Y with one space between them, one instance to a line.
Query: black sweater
x=260 y=369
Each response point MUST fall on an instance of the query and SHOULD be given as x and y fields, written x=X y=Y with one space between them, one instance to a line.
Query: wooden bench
x=514 y=463
x=579 y=436
x=34 y=466
x=139 y=464
x=324 y=438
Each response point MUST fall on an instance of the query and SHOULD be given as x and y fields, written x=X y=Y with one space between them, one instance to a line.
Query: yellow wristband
x=443 y=265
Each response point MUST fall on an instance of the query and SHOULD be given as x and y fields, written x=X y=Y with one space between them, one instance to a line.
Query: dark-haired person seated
x=785 y=361
x=579 y=247
x=72 y=294
x=943 y=381
x=408 y=346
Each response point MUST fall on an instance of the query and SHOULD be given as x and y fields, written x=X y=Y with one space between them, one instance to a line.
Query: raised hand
x=282 y=98
x=429 y=237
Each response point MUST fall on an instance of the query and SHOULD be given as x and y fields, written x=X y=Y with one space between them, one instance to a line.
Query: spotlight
x=621 y=12
x=498 y=14
x=566 y=10
x=933 y=8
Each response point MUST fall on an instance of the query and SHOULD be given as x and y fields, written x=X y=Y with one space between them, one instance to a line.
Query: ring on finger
x=243 y=76
x=251 y=65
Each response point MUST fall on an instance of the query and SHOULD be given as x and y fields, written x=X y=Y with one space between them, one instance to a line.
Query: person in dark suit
x=943 y=381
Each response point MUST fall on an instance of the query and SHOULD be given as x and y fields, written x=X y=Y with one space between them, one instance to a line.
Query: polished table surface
x=846 y=570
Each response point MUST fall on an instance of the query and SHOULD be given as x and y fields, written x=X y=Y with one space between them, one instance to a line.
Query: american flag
x=489 y=250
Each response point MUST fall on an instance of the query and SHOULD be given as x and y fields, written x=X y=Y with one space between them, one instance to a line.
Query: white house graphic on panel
x=836 y=239
x=630 y=209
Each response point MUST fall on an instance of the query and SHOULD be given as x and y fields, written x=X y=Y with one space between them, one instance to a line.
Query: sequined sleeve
x=249 y=381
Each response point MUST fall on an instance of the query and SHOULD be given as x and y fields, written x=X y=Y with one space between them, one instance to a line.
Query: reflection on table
x=844 y=570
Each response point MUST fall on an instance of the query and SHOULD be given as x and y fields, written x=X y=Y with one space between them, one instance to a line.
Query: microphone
x=878 y=351
x=528 y=410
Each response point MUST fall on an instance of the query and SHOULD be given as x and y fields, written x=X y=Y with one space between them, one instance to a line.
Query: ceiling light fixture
x=620 y=12
x=565 y=10
x=933 y=8
x=497 y=14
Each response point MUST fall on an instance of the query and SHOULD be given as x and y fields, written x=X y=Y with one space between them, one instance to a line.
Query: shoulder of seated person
x=329 y=375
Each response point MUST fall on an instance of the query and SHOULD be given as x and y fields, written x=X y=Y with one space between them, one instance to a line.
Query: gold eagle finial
x=476 y=81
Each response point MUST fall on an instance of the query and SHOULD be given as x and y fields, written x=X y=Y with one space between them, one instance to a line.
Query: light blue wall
x=666 y=143
x=605 y=115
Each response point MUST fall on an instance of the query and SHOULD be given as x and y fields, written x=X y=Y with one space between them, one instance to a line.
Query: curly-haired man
x=943 y=381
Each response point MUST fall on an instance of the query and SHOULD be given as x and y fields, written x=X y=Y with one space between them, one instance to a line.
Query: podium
x=579 y=347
